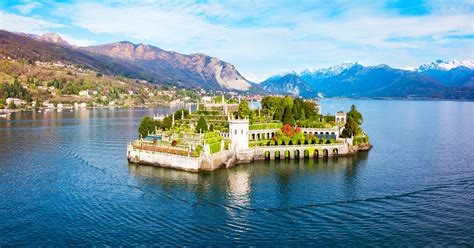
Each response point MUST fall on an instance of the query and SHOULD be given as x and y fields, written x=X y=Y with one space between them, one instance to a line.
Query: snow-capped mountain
x=440 y=79
x=330 y=71
x=453 y=73
x=446 y=65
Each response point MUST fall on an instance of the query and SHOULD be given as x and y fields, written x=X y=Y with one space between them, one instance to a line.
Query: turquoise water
x=65 y=180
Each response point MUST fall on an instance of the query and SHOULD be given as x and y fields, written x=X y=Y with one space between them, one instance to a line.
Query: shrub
x=259 y=126
x=209 y=135
x=288 y=130
x=213 y=140
x=227 y=143
x=215 y=147
x=174 y=142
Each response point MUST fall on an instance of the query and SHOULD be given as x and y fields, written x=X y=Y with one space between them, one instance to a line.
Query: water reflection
x=288 y=182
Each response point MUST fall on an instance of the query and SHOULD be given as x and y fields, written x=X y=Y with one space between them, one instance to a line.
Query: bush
x=215 y=147
x=260 y=126
x=209 y=135
x=360 y=140
x=213 y=140
x=329 y=118
x=227 y=143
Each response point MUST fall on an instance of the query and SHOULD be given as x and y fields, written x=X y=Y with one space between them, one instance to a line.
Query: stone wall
x=229 y=158
x=163 y=159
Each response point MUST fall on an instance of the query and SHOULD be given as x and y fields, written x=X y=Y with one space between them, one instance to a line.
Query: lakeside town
x=26 y=85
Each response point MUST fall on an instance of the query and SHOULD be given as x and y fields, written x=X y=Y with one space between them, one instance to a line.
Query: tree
x=271 y=103
x=355 y=115
x=297 y=108
x=288 y=117
x=244 y=110
x=296 y=114
x=279 y=111
x=166 y=122
x=201 y=125
x=351 y=128
x=181 y=113
x=288 y=101
x=310 y=110
x=147 y=125
x=302 y=114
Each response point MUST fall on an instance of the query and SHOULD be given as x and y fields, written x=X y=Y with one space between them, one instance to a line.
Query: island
x=222 y=133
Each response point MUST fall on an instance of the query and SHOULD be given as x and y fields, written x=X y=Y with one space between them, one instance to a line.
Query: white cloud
x=264 y=37
x=28 y=7
x=77 y=42
x=31 y=25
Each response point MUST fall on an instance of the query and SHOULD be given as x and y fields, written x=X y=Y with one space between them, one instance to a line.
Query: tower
x=239 y=134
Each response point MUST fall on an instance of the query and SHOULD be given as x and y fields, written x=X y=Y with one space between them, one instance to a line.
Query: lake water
x=65 y=180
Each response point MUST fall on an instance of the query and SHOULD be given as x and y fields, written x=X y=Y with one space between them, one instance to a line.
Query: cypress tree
x=201 y=125
x=288 y=117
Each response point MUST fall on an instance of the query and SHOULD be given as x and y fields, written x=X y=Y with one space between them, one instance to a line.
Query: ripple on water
x=66 y=182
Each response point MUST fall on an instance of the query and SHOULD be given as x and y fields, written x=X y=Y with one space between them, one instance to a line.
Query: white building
x=239 y=134
x=341 y=117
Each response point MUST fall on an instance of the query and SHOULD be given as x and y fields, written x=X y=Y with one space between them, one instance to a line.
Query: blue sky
x=262 y=38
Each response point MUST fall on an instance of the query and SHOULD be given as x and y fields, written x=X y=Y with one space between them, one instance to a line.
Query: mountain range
x=437 y=80
x=124 y=58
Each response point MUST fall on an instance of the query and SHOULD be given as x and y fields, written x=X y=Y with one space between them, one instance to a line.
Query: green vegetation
x=147 y=126
x=360 y=140
x=288 y=117
x=201 y=125
x=293 y=111
x=215 y=147
x=15 y=89
x=67 y=84
x=265 y=126
x=352 y=127
x=244 y=110
x=11 y=105
x=289 y=135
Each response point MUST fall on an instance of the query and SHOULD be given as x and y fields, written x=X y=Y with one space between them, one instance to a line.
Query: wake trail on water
x=466 y=184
